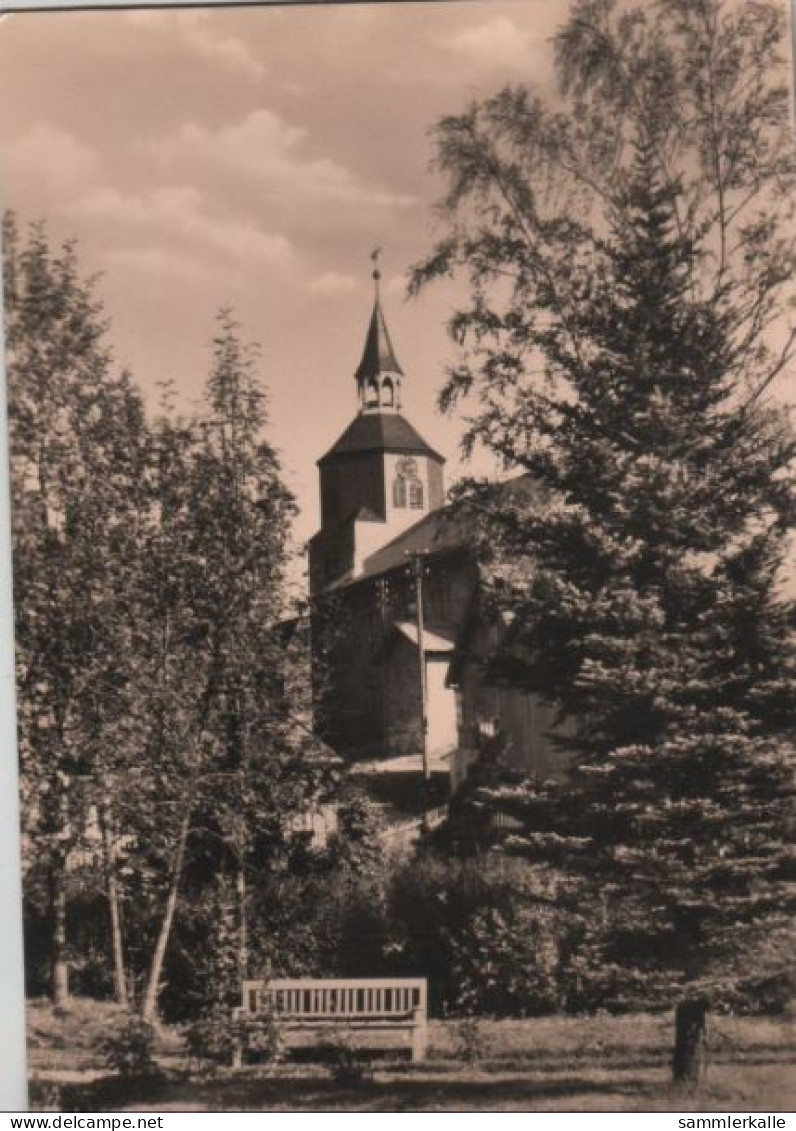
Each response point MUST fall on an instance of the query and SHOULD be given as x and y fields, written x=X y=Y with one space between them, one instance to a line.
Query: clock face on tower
x=407 y=467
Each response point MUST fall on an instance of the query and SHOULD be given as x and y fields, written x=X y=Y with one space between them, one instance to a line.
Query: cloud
x=333 y=283
x=266 y=148
x=179 y=212
x=199 y=34
x=496 y=43
x=177 y=265
x=49 y=155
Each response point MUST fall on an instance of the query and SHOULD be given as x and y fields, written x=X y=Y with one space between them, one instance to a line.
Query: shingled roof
x=380 y=431
x=378 y=356
x=446 y=530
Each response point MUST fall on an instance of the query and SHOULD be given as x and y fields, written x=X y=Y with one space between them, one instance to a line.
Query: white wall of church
x=442 y=726
x=368 y=538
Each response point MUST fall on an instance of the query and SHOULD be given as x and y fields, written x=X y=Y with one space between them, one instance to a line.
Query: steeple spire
x=378 y=375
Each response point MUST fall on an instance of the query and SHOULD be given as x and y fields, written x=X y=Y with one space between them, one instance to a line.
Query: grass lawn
x=546 y=1064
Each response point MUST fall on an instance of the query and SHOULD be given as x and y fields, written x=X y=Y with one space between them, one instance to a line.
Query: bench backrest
x=310 y=998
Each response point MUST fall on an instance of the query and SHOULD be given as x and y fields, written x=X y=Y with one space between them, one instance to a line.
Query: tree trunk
x=243 y=947
x=149 y=1007
x=112 y=892
x=59 y=957
x=59 y=964
x=690 y=1059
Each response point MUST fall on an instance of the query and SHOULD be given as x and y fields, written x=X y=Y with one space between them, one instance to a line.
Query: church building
x=397 y=642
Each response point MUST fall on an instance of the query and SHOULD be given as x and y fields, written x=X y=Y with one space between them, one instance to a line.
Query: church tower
x=381 y=476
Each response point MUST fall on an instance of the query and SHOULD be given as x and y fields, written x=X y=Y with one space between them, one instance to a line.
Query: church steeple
x=378 y=375
x=380 y=476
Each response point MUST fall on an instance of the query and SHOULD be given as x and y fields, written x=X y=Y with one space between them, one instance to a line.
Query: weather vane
x=374 y=255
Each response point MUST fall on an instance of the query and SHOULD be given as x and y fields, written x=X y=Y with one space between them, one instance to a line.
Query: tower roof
x=378 y=356
x=386 y=432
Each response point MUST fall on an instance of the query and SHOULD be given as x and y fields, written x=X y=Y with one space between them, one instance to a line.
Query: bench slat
x=336 y=997
x=361 y=1005
x=344 y=999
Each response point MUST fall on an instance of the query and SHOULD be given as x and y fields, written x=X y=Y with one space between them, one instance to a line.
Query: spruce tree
x=628 y=258
x=654 y=621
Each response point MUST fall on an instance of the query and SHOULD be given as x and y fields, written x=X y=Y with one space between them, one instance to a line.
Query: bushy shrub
x=348 y=1065
x=130 y=1050
x=481 y=933
x=262 y=1036
x=505 y=962
x=470 y=1044
x=212 y=1038
x=219 y=1034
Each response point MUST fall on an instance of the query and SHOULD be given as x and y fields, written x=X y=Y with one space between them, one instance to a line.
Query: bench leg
x=419 y=1042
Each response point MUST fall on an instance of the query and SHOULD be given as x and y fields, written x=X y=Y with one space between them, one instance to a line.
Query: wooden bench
x=370 y=1013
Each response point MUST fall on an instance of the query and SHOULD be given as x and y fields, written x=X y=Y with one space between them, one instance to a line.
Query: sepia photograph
x=401 y=459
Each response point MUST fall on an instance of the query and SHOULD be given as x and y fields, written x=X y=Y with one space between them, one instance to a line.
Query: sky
x=254 y=157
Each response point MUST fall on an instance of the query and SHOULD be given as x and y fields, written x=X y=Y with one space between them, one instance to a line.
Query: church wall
x=402 y=698
x=372 y=704
x=447 y=591
x=357 y=481
x=436 y=485
x=448 y=584
x=373 y=697
x=368 y=538
x=522 y=718
x=317 y=568
x=442 y=715
x=331 y=555
x=349 y=709
x=527 y=721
